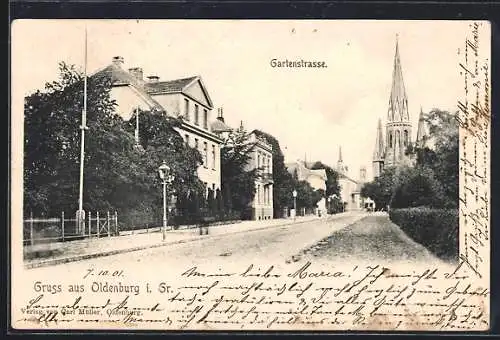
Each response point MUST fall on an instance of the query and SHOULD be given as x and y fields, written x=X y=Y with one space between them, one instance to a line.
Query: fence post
x=90 y=224
x=108 y=224
x=116 y=223
x=98 y=225
x=31 y=228
x=62 y=225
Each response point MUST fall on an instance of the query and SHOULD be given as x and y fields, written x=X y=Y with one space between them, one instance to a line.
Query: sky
x=312 y=112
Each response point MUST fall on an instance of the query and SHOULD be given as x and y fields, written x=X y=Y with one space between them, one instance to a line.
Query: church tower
x=398 y=126
x=379 y=152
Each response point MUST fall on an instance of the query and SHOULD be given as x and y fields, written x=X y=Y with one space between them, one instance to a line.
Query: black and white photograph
x=250 y=175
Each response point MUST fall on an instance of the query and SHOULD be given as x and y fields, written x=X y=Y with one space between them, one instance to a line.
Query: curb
x=53 y=262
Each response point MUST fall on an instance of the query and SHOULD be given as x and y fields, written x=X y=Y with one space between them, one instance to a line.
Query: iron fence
x=62 y=229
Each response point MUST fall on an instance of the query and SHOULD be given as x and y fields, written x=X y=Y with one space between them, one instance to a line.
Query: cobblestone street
x=337 y=239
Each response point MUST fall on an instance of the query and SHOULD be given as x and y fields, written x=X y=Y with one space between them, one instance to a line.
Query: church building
x=391 y=150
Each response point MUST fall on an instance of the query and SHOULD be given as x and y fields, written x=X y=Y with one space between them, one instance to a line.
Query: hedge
x=436 y=229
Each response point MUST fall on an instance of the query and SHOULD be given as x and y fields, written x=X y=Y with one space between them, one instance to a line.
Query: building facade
x=185 y=98
x=261 y=158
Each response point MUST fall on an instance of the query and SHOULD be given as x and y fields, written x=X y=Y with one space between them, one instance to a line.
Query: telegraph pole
x=83 y=127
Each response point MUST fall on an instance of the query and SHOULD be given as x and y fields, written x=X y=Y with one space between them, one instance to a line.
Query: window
x=213 y=157
x=390 y=139
x=196 y=143
x=258 y=161
x=205 y=118
x=205 y=154
x=196 y=115
x=213 y=187
x=186 y=109
x=406 y=138
x=187 y=139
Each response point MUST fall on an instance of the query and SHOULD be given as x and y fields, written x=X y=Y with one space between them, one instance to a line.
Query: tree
x=117 y=175
x=417 y=186
x=381 y=189
x=433 y=181
x=160 y=142
x=442 y=155
x=237 y=179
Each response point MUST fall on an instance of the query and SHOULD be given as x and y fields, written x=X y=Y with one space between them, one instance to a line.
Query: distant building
x=350 y=188
x=316 y=178
x=185 y=98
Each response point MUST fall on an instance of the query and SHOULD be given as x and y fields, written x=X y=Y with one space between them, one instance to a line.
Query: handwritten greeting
x=474 y=118
x=302 y=296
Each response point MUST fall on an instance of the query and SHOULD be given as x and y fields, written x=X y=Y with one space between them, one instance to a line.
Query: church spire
x=378 y=153
x=398 y=102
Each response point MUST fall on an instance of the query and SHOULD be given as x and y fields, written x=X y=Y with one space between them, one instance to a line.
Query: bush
x=436 y=229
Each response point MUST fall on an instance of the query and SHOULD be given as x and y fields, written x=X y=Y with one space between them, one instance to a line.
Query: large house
x=185 y=98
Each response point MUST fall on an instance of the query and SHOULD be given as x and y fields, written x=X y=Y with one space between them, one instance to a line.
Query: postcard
x=250 y=175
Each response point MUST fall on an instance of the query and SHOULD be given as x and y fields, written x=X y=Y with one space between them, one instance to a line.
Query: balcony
x=266 y=178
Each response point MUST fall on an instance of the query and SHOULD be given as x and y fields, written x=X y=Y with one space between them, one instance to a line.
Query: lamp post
x=294 y=193
x=167 y=178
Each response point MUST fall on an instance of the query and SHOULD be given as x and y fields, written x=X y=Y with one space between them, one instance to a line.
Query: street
x=339 y=238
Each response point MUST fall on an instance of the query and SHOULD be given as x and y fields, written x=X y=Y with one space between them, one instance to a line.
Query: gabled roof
x=170 y=86
x=176 y=86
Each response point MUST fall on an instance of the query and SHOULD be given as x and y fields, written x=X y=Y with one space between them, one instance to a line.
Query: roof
x=121 y=77
x=219 y=126
x=176 y=85
x=304 y=171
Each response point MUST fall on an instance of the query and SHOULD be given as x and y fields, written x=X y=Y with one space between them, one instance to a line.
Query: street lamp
x=167 y=178
x=294 y=193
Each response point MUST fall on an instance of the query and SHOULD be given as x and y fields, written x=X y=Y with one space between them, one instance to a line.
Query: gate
x=100 y=225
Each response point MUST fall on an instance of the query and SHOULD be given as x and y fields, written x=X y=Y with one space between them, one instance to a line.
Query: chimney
x=153 y=79
x=136 y=72
x=220 y=115
x=118 y=61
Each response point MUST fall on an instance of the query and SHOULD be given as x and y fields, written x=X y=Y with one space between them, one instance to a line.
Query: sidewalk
x=63 y=252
